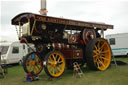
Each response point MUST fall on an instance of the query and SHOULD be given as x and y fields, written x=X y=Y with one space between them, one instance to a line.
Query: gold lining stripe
x=33 y=27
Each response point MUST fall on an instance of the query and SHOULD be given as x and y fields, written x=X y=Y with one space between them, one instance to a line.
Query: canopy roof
x=23 y=18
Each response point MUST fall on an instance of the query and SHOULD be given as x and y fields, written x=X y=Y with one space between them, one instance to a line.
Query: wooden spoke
x=37 y=66
x=57 y=70
x=94 y=51
x=95 y=60
x=102 y=54
x=51 y=70
x=58 y=59
x=30 y=68
x=34 y=68
x=54 y=57
x=98 y=45
x=60 y=62
x=50 y=62
x=96 y=55
x=50 y=58
x=98 y=64
x=106 y=51
x=102 y=46
x=50 y=65
x=104 y=58
x=95 y=47
x=102 y=63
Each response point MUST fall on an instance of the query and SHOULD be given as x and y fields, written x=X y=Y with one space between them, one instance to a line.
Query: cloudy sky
x=113 y=12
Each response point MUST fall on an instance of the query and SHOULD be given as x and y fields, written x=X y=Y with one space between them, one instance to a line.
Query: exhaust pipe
x=43 y=10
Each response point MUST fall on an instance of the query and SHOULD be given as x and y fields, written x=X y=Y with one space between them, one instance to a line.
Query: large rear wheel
x=55 y=64
x=98 y=54
x=33 y=63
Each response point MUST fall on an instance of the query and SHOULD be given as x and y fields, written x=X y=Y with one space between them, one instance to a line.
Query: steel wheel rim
x=33 y=63
x=56 y=64
x=102 y=54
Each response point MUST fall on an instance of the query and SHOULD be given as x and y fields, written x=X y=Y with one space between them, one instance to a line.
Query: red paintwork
x=73 y=53
x=77 y=54
x=67 y=53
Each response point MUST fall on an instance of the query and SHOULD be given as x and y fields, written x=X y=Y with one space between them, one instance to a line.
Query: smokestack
x=43 y=10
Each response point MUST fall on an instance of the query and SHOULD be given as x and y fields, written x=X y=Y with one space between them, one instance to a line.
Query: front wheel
x=55 y=64
x=32 y=63
x=98 y=54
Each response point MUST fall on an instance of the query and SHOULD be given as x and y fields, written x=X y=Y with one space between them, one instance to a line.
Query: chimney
x=43 y=10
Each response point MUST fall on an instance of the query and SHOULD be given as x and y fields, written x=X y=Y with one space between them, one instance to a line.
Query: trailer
x=13 y=52
x=60 y=42
x=118 y=43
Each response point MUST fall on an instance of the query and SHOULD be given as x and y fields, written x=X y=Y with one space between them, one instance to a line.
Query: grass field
x=114 y=75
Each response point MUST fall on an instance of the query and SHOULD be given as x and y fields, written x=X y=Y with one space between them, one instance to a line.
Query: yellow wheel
x=55 y=64
x=98 y=54
x=33 y=63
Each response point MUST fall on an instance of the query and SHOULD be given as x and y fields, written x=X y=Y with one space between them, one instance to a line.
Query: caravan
x=118 y=43
x=13 y=52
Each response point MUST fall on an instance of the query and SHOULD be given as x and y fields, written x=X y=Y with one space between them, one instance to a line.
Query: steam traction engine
x=60 y=42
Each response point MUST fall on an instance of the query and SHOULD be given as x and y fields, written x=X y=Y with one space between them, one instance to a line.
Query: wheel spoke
x=27 y=63
x=102 y=46
x=51 y=70
x=57 y=70
x=104 y=58
x=102 y=63
x=30 y=68
x=58 y=59
x=50 y=62
x=98 y=45
x=95 y=55
x=98 y=64
x=37 y=66
x=106 y=51
x=51 y=65
x=37 y=59
x=54 y=57
x=60 y=62
x=34 y=69
x=51 y=58
x=95 y=47
x=102 y=54
x=95 y=59
x=94 y=51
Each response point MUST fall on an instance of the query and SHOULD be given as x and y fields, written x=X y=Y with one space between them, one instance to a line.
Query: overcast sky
x=113 y=12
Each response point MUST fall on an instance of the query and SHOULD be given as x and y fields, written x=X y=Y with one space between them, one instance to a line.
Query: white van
x=13 y=52
x=118 y=43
